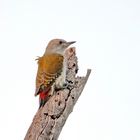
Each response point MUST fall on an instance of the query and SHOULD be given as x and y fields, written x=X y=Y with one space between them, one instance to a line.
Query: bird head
x=58 y=46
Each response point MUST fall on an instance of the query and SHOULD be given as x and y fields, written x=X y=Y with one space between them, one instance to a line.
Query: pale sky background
x=108 y=41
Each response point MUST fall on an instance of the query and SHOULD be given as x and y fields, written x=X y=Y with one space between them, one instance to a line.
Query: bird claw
x=67 y=84
x=70 y=83
x=60 y=88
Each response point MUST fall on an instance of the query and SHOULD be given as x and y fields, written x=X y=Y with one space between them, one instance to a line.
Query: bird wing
x=49 y=68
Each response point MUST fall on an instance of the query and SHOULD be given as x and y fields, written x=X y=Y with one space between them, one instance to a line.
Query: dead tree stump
x=49 y=120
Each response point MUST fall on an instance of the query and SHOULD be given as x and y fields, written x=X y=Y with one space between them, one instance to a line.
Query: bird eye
x=60 y=42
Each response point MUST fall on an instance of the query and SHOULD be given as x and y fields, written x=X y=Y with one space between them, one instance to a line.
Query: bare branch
x=49 y=120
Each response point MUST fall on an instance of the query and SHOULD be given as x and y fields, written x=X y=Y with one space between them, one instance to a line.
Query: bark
x=49 y=120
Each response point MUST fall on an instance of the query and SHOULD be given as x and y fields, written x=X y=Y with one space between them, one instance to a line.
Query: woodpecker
x=51 y=70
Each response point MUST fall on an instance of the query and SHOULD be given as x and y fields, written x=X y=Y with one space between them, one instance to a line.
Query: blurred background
x=108 y=42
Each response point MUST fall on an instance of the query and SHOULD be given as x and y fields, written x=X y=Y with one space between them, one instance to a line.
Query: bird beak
x=69 y=43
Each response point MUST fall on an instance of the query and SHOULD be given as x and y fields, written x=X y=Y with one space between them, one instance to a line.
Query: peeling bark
x=49 y=120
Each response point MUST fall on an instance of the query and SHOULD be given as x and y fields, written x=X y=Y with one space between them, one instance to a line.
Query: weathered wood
x=49 y=120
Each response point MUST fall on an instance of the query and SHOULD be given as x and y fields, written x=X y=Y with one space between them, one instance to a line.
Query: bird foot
x=67 y=84
x=64 y=86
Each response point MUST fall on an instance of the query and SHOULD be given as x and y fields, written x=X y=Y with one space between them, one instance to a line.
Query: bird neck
x=54 y=52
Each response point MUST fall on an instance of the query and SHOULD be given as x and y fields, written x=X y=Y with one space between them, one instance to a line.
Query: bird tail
x=43 y=97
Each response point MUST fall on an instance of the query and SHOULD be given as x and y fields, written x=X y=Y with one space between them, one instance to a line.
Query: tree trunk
x=49 y=120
